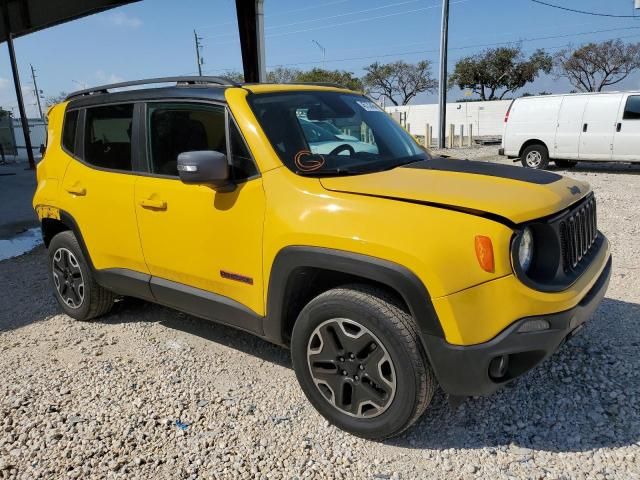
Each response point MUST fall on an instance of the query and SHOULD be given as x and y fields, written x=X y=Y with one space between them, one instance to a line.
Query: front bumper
x=464 y=370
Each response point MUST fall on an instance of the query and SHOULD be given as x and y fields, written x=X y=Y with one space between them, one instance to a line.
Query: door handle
x=76 y=189
x=153 y=204
x=584 y=127
x=618 y=127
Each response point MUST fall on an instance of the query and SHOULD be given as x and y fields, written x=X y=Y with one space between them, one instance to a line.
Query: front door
x=626 y=140
x=192 y=236
x=598 y=126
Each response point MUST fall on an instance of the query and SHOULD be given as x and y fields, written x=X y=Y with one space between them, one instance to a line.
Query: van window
x=69 y=131
x=632 y=108
x=108 y=136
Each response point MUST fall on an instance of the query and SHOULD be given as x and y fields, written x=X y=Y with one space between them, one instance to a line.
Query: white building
x=487 y=118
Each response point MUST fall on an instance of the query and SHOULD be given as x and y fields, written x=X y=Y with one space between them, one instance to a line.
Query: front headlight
x=525 y=250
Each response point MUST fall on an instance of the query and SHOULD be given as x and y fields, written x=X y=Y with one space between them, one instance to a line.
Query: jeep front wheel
x=75 y=289
x=359 y=360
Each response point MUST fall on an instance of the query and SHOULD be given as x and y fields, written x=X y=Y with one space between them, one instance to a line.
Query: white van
x=573 y=127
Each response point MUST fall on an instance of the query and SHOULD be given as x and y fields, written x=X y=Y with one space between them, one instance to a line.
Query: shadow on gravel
x=584 y=397
x=630 y=169
x=133 y=310
x=26 y=295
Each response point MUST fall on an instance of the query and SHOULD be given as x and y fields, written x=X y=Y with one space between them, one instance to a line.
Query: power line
x=350 y=22
x=330 y=17
x=522 y=40
x=584 y=12
x=288 y=12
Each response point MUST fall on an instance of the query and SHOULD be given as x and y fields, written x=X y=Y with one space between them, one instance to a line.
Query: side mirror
x=205 y=167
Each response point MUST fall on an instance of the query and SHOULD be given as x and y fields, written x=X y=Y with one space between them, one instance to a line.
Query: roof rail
x=322 y=84
x=150 y=81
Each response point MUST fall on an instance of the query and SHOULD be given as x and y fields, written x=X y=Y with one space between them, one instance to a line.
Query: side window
x=108 y=136
x=242 y=164
x=69 y=131
x=632 y=108
x=177 y=128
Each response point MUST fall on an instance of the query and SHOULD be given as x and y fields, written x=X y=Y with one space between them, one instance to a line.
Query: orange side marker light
x=484 y=252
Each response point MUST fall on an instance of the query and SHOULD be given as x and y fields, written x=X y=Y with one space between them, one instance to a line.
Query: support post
x=16 y=81
x=427 y=136
x=461 y=138
x=262 y=66
x=452 y=133
x=470 y=134
x=444 y=40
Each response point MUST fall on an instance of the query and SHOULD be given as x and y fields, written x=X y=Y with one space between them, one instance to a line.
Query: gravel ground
x=147 y=392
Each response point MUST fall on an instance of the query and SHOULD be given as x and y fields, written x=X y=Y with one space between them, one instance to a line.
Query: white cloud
x=108 y=78
x=121 y=19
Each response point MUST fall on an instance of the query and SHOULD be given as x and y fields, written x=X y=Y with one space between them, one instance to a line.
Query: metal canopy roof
x=21 y=17
x=28 y=16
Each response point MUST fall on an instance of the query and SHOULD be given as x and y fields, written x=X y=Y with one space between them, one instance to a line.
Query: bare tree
x=594 y=66
x=399 y=81
x=50 y=101
x=496 y=72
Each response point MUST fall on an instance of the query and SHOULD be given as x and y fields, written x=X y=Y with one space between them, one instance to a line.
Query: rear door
x=98 y=186
x=598 y=126
x=626 y=140
x=569 y=129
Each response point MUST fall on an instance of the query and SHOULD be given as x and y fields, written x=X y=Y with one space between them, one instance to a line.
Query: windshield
x=331 y=133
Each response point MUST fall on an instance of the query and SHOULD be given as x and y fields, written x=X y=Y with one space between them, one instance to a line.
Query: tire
x=395 y=373
x=565 y=163
x=535 y=156
x=73 y=283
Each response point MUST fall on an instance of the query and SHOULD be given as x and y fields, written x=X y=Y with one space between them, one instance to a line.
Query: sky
x=155 y=38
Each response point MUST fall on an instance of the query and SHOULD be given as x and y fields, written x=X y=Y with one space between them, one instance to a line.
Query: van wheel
x=535 y=156
x=358 y=357
x=74 y=287
x=565 y=163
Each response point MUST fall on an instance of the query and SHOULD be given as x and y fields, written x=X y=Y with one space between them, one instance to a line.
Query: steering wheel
x=344 y=146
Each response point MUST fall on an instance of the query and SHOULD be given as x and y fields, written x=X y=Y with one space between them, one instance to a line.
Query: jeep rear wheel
x=74 y=287
x=359 y=360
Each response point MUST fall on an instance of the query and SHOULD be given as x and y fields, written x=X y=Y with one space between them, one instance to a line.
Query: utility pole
x=198 y=47
x=37 y=92
x=444 y=41
x=323 y=50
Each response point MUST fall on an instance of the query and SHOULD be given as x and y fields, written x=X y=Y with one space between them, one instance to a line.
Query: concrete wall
x=38 y=130
x=487 y=117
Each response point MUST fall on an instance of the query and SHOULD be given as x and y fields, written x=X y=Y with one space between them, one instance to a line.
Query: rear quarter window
x=69 y=128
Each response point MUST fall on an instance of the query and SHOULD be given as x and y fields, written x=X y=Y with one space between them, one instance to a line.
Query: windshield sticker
x=368 y=106
x=307 y=161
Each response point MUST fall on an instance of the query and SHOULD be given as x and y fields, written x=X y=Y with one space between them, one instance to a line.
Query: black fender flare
x=390 y=274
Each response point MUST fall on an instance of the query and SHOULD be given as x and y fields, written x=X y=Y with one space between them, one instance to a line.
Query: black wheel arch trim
x=392 y=275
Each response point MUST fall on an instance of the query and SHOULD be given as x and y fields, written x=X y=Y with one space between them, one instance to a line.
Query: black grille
x=578 y=233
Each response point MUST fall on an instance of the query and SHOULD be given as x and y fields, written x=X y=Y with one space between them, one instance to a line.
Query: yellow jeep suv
x=303 y=214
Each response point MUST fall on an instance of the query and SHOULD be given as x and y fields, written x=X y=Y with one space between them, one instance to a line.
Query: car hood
x=511 y=193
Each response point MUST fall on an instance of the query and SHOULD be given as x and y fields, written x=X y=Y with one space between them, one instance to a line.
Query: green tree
x=341 y=77
x=594 y=66
x=496 y=72
x=282 y=75
x=399 y=81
